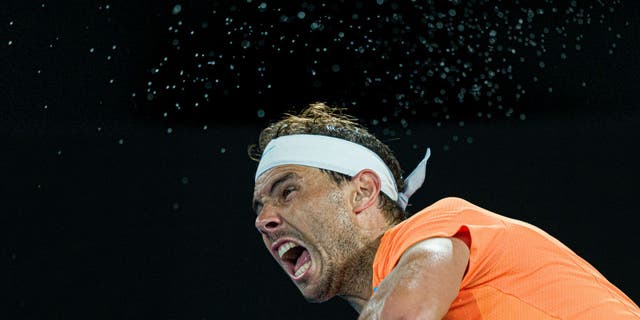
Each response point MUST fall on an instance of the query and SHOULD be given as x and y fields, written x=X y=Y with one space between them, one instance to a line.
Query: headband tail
x=414 y=181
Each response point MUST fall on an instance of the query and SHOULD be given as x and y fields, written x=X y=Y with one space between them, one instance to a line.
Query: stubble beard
x=348 y=271
x=347 y=274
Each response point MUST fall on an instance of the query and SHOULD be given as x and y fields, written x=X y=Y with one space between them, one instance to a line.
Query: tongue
x=302 y=259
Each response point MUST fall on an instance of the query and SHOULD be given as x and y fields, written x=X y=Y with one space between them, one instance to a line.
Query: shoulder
x=451 y=204
x=442 y=219
x=448 y=207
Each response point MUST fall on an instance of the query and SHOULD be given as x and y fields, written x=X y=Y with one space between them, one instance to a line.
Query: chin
x=315 y=299
x=315 y=295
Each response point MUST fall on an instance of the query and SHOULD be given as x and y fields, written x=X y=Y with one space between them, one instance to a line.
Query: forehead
x=289 y=171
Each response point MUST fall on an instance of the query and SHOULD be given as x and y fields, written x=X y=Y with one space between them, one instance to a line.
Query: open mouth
x=295 y=258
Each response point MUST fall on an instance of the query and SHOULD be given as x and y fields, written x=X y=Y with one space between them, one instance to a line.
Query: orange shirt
x=515 y=271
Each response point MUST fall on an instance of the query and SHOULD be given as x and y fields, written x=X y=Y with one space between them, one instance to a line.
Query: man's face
x=306 y=223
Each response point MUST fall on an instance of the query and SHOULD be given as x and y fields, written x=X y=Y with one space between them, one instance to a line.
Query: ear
x=367 y=190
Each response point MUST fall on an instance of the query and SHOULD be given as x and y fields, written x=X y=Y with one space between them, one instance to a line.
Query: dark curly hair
x=319 y=118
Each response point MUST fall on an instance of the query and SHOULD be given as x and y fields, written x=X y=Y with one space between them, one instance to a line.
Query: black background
x=123 y=200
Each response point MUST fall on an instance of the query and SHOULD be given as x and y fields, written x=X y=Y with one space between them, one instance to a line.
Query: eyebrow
x=274 y=185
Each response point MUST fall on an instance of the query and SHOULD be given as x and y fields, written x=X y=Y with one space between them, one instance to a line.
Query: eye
x=257 y=207
x=287 y=191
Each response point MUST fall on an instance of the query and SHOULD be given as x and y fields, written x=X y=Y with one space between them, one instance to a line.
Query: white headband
x=341 y=156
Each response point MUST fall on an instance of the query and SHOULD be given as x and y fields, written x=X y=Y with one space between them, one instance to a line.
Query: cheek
x=339 y=210
x=325 y=218
x=331 y=222
x=336 y=197
x=328 y=213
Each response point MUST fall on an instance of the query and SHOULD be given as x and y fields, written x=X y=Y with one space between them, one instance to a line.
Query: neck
x=357 y=290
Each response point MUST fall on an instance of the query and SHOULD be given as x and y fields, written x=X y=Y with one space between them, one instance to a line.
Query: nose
x=268 y=221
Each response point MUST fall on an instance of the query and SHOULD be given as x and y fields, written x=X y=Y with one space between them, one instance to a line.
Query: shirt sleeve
x=449 y=217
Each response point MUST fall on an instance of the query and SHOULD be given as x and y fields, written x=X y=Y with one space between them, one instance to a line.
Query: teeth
x=285 y=247
x=303 y=268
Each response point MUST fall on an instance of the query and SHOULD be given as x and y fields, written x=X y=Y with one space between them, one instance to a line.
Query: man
x=330 y=212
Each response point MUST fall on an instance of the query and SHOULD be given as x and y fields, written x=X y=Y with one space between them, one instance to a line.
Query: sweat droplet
x=417 y=57
x=176 y=9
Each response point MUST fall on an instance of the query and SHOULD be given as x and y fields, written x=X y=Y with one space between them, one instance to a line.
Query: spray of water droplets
x=437 y=59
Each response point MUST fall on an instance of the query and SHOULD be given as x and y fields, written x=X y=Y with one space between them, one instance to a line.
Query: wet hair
x=321 y=119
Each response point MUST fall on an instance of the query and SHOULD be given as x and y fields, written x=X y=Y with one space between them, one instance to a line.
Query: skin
x=341 y=227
